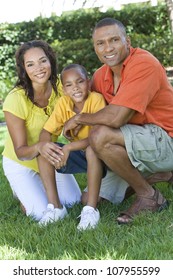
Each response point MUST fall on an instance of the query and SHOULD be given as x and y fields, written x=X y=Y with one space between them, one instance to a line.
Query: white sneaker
x=52 y=214
x=89 y=218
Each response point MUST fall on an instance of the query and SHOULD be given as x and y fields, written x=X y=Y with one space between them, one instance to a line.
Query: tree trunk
x=169 y=4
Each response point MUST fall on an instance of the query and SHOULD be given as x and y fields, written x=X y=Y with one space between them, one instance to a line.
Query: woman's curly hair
x=23 y=79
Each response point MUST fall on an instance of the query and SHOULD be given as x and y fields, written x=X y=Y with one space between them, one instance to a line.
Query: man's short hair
x=110 y=21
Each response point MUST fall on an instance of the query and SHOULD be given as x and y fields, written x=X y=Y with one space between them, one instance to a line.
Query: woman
x=26 y=109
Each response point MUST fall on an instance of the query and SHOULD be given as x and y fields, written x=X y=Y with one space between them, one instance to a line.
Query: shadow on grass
x=149 y=237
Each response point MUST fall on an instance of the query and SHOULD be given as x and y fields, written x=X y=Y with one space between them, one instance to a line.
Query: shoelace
x=85 y=214
x=47 y=211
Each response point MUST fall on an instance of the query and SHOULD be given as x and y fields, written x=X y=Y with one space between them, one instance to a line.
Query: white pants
x=27 y=185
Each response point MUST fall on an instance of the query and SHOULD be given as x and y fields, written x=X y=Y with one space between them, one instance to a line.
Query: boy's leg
x=63 y=188
x=113 y=188
x=76 y=163
x=94 y=177
x=47 y=174
x=90 y=215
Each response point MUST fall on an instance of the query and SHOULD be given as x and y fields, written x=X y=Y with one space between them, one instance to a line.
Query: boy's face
x=75 y=85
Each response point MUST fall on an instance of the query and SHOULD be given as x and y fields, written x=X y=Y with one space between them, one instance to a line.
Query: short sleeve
x=99 y=102
x=16 y=103
x=55 y=123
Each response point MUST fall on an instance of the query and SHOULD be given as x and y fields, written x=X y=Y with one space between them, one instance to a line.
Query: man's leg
x=109 y=145
x=160 y=177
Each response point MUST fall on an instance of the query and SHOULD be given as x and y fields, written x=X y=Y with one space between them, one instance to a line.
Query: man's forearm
x=85 y=119
x=111 y=115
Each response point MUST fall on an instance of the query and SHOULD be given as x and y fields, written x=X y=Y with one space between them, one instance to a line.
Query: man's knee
x=97 y=137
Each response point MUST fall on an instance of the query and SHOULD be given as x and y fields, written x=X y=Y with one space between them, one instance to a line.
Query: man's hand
x=69 y=126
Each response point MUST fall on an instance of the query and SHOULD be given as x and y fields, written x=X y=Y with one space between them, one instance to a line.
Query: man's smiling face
x=111 y=45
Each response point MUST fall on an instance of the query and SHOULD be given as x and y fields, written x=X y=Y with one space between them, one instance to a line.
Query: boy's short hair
x=74 y=66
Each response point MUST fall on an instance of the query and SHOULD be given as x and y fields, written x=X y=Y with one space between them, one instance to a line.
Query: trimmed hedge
x=70 y=36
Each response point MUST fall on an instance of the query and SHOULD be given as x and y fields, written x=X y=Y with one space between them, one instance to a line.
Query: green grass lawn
x=149 y=237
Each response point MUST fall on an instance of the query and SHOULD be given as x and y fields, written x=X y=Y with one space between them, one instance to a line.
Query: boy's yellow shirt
x=63 y=111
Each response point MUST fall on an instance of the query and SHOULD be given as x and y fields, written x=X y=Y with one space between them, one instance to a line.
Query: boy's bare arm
x=66 y=149
x=78 y=145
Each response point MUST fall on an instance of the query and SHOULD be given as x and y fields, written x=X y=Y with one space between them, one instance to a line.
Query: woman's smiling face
x=37 y=65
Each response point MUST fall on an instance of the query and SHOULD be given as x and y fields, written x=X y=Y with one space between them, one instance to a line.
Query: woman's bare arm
x=17 y=130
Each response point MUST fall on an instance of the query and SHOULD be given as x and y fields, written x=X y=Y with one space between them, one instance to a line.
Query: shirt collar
x=132 y=50
x=70 y=104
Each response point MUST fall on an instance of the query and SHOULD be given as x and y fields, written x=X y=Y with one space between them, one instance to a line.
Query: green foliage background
x=70 y=36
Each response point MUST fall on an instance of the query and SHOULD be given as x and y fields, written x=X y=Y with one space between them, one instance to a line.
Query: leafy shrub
x=70 y=36
x=76 y=51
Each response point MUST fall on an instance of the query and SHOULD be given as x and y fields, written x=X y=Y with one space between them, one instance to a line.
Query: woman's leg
x=68 y=189
x=27 y=186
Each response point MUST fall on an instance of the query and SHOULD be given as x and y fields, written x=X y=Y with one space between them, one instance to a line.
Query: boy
x=75 y=156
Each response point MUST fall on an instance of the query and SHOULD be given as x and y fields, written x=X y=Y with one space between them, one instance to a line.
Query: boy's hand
x=71 y=125
x=64 y=158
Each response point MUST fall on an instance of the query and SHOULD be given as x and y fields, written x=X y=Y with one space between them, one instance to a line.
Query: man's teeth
x=109 y=56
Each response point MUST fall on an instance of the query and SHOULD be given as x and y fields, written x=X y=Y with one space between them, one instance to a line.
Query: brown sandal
x=143 y=203
x=152 y=179
x=159 y=177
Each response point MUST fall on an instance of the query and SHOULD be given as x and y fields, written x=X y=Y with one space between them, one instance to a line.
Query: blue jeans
x=76 y=162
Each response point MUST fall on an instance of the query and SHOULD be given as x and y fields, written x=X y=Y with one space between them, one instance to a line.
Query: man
x=133 y=134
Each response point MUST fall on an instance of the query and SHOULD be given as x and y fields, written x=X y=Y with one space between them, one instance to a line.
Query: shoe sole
x=164 y=205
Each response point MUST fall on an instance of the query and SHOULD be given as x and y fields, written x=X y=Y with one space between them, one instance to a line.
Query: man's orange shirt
x=144 y=87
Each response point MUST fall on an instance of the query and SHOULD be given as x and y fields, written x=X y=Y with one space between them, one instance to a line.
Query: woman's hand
x=50 y=151
x=47 y=149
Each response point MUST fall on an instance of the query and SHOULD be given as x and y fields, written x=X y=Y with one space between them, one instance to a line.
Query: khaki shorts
x=149 y=147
